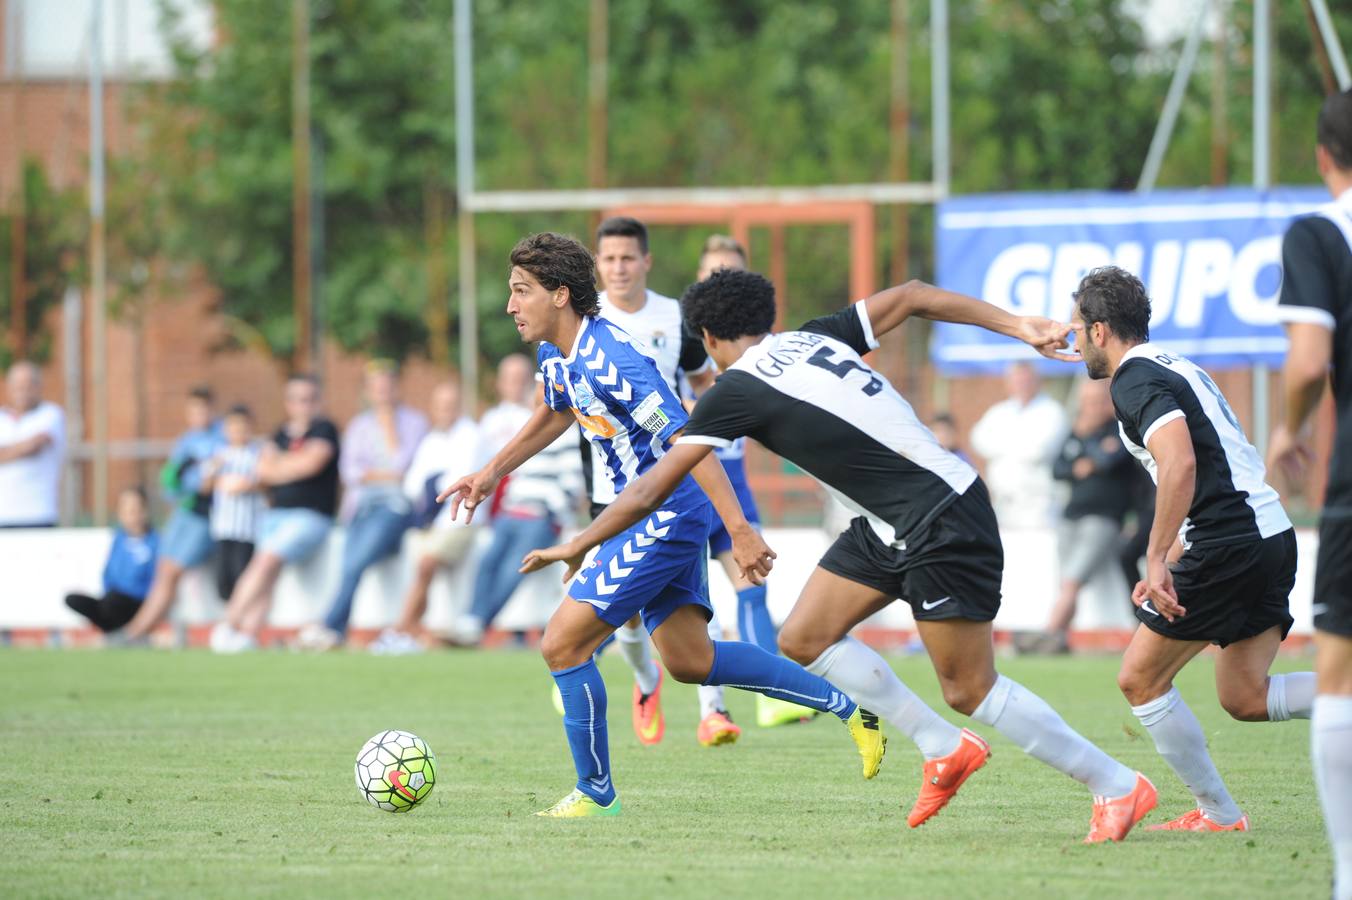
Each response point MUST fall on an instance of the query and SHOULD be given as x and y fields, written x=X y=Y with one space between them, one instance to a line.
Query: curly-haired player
x=925 y=529
x=594 y=376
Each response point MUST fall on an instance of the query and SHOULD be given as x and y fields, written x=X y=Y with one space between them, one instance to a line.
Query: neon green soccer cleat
x=771 y=711
x=578 y=805
x=868 y=737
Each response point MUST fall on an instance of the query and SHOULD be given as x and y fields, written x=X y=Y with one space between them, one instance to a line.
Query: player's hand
x=469 y=491
x=1158 y=588
x=753 y=556
x=565 y=553
x=1289 y=455
x=1050 y=338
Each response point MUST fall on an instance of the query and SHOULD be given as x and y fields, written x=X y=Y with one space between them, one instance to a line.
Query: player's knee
x=688 y=671
x=1137 y=688
x=799 y=646
x=1246 y=705
x=964 y=696
x=560 y=652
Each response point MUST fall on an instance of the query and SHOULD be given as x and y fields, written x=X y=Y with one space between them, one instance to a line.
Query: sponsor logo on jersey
x=649 y=414
x=582 y=392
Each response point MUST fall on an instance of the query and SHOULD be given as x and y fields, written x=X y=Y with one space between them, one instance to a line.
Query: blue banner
x=1210 y=260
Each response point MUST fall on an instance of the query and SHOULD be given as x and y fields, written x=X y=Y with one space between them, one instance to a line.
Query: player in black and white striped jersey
x=1316 y=306
x=925 y=530
x=1222 y=555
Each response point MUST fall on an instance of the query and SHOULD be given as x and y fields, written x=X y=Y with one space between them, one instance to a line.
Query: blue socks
x=753 y=619
x=584 y=721
x=743 y=665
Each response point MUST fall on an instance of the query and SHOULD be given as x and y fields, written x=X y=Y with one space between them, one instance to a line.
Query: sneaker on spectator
x=395 y=643
x=468 y=631
x=318 y=638
x=222 y=637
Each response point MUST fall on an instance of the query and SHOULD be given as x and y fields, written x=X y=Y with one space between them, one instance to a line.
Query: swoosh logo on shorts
x=928 y=605
x=1148 y=608
x=397 y=779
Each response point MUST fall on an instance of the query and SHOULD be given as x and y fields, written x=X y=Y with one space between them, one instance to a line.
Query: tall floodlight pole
x=98 y=266
x=939 y=94
x=464 y=188
x=1332 y=44
x=1262 y=176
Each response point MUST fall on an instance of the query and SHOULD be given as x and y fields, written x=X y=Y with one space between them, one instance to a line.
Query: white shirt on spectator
x=498 y=426
x=1019 y=442
x=447 y=455
x=30 y=487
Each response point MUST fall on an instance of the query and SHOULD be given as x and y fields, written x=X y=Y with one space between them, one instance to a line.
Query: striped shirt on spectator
x=234 y=517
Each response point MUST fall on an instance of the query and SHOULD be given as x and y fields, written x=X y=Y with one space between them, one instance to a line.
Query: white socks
x=860 y=672
x=636 y=651
x=711 y=695
x=1331 y=733
x=1027 y=720
x=1179 y=739
x=1290 y=696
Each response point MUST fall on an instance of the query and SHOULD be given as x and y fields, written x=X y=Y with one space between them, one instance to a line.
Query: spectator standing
x=513 y=386
x=236 y=499
x=439 y=540
x=298 y=469
x=1019 y=437
x=32 y=447
x=130 y=567
x=377 y=448
x=1101 y=474
x=186 y=540
x=540 y=500
x=945 y=431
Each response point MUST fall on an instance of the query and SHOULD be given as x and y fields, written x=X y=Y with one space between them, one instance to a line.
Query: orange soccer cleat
x=943 y=776
x=716 y=728
x=1114 y=818
x=649 y=724
x=1196 y=820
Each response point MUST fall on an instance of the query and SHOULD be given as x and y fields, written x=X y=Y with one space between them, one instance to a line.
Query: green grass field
x=182 y=774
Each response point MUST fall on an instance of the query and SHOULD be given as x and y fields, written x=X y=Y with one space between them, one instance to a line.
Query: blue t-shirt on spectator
x=131 y=564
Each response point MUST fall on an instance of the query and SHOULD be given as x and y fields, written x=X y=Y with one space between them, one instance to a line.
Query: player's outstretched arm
x=541 y=429
x=889 y=308
x=1176 y=468
x=1303 y=377
x=640 y=498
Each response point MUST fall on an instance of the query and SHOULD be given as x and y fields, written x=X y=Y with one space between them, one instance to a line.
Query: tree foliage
x=1047 y=95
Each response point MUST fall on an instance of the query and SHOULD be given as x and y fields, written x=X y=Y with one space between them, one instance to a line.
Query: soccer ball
x=396 y=771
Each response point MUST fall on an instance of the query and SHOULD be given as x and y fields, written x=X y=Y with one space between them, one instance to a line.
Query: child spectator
x=236 y=500
x=129 y=569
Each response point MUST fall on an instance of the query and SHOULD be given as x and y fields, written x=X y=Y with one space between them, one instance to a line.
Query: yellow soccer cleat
x=578 y=805
x=868 y=737
x=771 y=711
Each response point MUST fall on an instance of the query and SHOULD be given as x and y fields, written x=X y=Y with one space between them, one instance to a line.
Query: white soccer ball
x=396 y=771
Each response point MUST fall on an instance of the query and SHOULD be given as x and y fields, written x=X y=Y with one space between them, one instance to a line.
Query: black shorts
x=1333 y=578
x=950 y=571
x=1231 y=592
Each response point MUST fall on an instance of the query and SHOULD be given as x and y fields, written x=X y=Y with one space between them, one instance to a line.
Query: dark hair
x=239 y=409
x=557 y=260
x=140 y=493
x=624 y=226
x=1334 y=132
x=1116 y=298
x=202 y=392
x=729 y=304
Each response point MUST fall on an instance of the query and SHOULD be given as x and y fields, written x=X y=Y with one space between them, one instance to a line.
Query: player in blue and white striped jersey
x=656 y=568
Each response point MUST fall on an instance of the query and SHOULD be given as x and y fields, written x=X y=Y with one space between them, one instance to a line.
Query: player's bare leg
x=1147 y=681
x=1332 y=745
x=1246 y=690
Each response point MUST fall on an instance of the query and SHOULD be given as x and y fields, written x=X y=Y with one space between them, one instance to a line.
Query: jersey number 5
x=822 y=360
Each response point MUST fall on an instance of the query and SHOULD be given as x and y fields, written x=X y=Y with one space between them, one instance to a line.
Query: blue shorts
x=719 y=539
x=294 y=533
x=653 y=568
x=186 y=538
